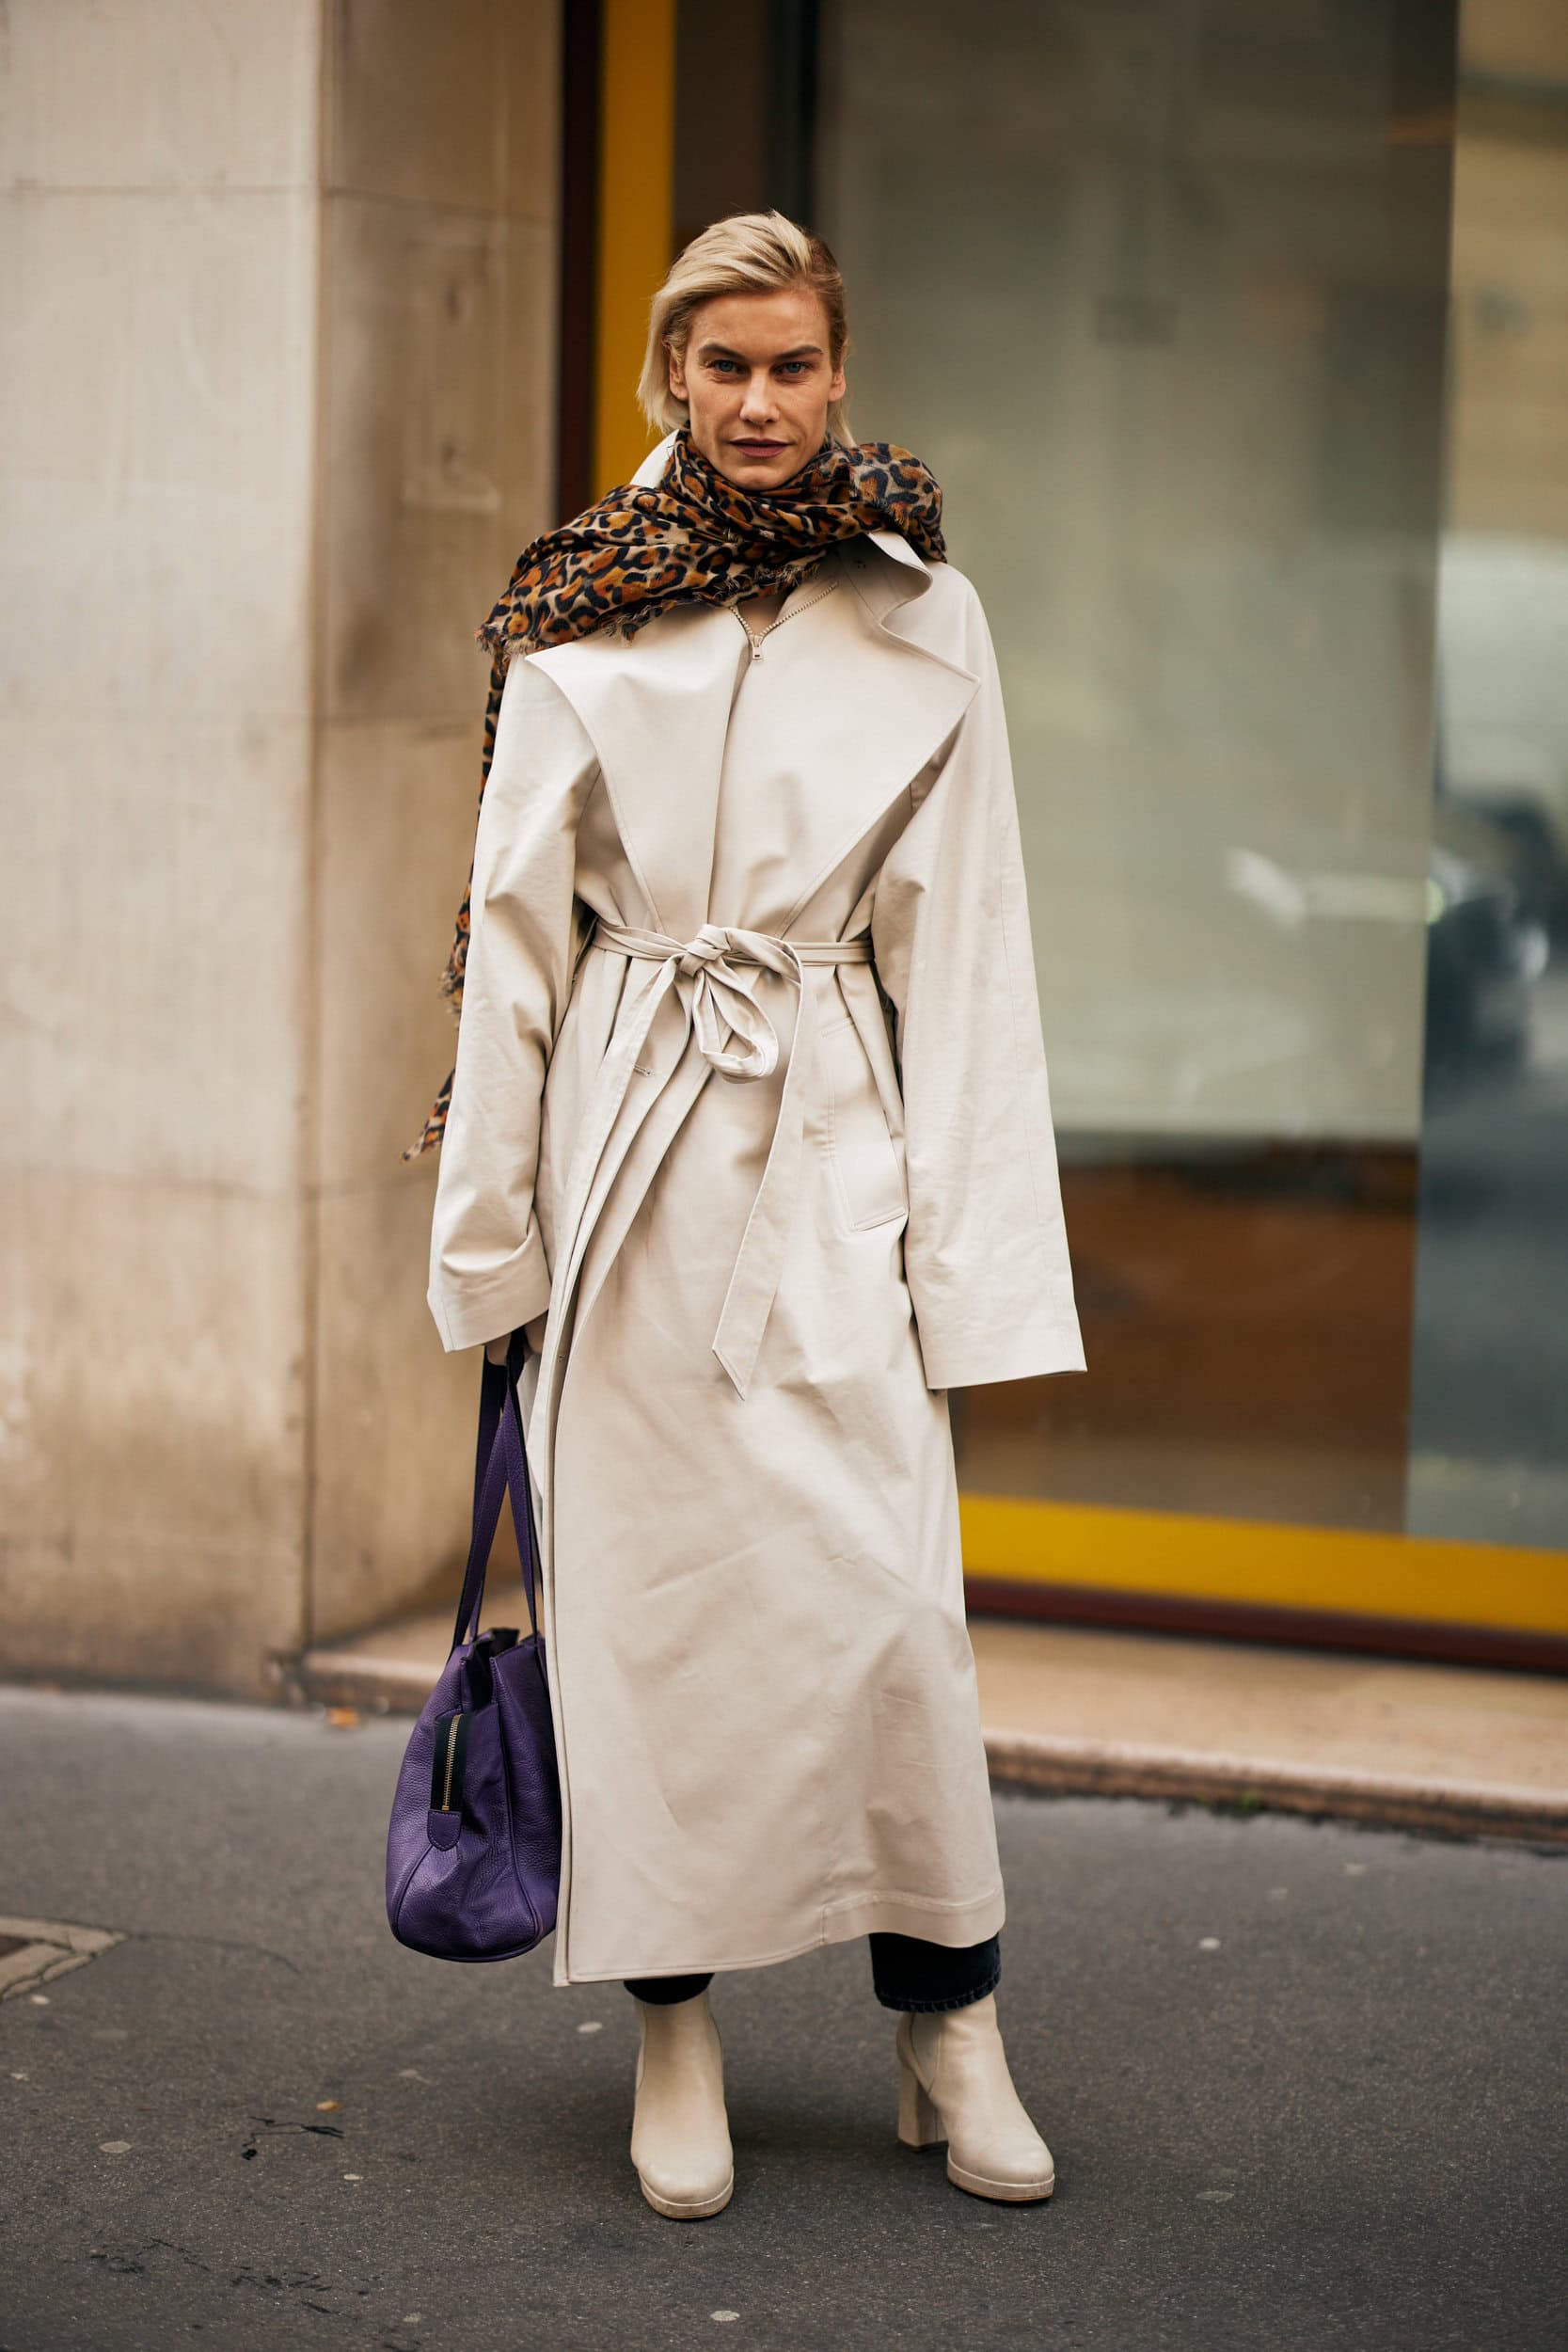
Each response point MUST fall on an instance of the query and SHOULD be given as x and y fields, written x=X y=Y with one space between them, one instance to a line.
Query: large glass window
x=1162 y=294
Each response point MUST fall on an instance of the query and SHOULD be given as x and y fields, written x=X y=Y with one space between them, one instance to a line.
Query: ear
x=678 y=374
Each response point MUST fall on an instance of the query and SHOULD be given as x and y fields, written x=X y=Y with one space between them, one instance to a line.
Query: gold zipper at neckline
x=758 y=638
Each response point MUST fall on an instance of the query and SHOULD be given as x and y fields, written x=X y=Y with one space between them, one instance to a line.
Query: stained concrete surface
x=1302 y=2082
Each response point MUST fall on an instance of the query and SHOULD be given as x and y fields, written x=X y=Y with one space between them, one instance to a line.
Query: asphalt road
x=1304 y=2084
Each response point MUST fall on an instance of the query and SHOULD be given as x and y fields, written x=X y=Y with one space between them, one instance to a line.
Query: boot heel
x=919 y=2126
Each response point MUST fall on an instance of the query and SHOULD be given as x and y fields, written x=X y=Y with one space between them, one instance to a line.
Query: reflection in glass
x=1160 y=294
x=1489 y=1407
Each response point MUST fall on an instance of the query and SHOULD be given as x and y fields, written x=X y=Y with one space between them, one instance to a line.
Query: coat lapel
x=657 y=707
x=657 y=711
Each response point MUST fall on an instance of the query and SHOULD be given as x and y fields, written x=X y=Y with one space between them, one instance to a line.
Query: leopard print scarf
x=692 y=535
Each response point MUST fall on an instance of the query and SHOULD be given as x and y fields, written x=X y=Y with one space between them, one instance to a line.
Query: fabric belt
x=735 y=1033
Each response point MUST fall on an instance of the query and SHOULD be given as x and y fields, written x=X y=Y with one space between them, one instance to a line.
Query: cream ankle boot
x=680 y=2135
x=953 y=2085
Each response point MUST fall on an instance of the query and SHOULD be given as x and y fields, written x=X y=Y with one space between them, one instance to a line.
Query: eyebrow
x=723 y=351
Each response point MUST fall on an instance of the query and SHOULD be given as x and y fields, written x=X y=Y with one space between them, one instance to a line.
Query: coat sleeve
x=985 y=1248
x=487 y=1268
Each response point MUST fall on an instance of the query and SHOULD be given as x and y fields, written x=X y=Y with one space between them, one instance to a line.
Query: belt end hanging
x=739 y=1371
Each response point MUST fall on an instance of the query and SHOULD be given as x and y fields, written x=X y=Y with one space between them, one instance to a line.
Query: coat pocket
x=867 y=1162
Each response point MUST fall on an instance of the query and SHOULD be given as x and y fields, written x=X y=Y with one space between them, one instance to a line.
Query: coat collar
x=657 y=707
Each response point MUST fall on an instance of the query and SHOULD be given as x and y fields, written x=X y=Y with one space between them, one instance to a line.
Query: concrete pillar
x=274 y=423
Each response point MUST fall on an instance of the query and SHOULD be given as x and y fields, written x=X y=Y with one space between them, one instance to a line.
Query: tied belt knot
x=735 y=1035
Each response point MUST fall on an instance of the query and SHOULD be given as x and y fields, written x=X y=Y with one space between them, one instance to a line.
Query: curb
x=328 y=1677
x=1385 y=1801
x=1079 y=1768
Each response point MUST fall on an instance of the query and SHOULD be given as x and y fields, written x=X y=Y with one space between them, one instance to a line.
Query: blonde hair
x=744 y=253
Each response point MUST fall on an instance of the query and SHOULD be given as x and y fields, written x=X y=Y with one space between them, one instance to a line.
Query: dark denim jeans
x=905 y=1973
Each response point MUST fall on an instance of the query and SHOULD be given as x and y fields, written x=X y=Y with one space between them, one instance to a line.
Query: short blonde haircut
x=744 y=253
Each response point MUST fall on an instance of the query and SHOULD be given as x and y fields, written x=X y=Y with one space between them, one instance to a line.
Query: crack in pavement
x=297 y=2286
x=218 y=1943
x=270 y=2123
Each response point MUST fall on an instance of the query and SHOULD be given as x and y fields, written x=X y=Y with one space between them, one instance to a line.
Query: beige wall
x=437 y=434
x=274 y=423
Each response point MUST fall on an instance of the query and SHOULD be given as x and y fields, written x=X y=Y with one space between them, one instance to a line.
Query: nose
x=758 y=406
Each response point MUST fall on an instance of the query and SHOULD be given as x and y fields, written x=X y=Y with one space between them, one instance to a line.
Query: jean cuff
x=959 y=2000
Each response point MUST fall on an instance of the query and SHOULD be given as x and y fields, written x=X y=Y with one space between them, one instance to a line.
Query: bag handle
x=500 y=1467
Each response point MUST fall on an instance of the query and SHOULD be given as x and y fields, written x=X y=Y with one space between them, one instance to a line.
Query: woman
x=749 y=1130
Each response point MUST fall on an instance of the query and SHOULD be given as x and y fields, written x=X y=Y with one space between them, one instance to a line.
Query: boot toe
x=1016 y=2168
x=688 y=2192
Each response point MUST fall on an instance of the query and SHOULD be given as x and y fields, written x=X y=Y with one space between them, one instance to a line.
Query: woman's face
x=758 y=381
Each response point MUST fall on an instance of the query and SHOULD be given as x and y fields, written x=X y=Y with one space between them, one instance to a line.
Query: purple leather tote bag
x=473 y=1849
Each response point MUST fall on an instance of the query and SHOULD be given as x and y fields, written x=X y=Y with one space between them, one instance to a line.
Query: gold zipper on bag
x=451 y=1758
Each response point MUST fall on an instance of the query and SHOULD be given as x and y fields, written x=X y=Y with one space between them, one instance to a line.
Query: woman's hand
x=534 y=1338
x=533 y=1334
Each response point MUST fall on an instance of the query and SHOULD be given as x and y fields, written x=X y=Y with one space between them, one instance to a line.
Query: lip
x=761 y=449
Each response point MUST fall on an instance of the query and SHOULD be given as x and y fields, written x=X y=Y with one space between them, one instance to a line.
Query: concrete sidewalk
x=1468 y=1750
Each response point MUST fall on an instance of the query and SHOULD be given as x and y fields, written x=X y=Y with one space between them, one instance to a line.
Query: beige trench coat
x=761 y=1209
